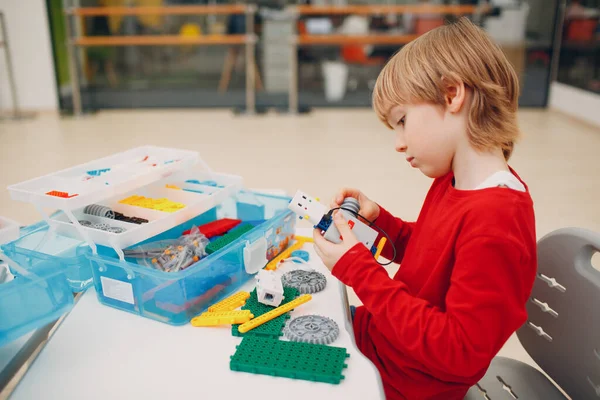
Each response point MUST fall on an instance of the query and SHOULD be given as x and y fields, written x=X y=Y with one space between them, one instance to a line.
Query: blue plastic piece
x=193 y=191
x=176 y=297
x=98 y=172
x=27 y=303
x=324 y=223
x=302 y=254
x=205 y=183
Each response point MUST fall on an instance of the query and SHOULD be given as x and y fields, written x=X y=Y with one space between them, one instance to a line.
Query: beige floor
x=558 y=157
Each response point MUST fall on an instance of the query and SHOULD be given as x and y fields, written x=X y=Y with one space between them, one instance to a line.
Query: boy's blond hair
x=460 y=51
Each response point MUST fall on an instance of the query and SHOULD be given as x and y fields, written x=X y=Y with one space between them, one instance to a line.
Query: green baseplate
x=272 y=328
x=311 y=362
x=227 y=238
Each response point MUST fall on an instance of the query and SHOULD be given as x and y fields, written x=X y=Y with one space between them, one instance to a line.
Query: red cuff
x=353 y=258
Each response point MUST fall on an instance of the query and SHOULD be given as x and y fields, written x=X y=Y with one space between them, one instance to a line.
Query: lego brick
x=230 y=303
x=164 y=205
x=269 y=288
x=306 y=361
x=64 y=195
x=218 y=227
x=255 y=322
x=273 y=328
x=224 y=240
x=222 y=318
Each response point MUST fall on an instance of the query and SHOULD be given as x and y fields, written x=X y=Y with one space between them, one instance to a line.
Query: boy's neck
x=472 y=167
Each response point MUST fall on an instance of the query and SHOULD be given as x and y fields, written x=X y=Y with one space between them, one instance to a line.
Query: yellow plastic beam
x=222 y=318
x=230 y=303
x=248 y=326
x=380 y=246
x=300 y=241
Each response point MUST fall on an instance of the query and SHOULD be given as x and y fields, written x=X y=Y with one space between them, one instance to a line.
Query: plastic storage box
x=176 y=297
x=41 y=245
x=33 y=299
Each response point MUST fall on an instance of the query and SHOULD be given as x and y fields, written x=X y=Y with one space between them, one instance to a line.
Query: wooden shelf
x=160 y=40
x=171 y=10
x=391 y=9
x=316 y=40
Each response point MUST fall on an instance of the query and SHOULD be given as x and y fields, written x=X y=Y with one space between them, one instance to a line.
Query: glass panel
x=579 y=63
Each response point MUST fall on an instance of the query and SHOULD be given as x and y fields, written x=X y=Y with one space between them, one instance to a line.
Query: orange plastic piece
x=222 y=318
x=64 y=195
x=230 y=303
x=300 y=241
x=305 y=298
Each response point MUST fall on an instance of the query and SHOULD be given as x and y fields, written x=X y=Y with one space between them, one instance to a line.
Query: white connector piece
x=307 y=207
x=269 y=289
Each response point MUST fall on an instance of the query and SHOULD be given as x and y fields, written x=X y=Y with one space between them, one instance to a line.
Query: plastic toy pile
x=171 y=255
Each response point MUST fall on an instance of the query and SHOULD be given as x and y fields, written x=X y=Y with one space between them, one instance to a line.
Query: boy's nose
x=400 y=146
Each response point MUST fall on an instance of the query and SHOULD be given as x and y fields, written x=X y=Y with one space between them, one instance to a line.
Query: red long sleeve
x=467 y=272
x=398 y=232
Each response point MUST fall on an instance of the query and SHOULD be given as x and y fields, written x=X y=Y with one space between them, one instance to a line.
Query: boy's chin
x=433 y=173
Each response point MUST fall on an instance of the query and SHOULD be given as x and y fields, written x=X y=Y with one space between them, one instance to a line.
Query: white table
x=103 y=353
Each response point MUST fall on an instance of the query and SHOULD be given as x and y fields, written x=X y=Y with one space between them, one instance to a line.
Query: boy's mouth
x=409 y=159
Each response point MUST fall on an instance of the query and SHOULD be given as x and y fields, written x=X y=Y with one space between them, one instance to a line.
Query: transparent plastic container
x=40 y=246
x=34 y=299
x=176 y=297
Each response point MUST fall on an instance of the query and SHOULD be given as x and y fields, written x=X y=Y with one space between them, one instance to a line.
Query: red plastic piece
x=64 y=195
x=217 y=227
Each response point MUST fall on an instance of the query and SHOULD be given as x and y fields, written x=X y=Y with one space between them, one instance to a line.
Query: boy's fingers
x=342 y=224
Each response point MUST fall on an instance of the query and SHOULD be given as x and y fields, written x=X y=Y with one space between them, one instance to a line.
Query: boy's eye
x=402 y=121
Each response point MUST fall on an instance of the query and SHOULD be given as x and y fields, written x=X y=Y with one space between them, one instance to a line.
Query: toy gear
x=101 y=226
x=312 y=329
x=305 y=281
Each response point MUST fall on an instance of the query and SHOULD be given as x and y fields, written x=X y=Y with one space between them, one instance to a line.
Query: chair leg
x=228 y=67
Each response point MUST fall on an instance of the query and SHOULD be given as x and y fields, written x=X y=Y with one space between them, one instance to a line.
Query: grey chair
x=562 y=333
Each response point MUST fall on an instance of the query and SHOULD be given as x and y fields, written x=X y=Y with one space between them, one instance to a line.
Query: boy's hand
x=330 y=252
x=368 y=208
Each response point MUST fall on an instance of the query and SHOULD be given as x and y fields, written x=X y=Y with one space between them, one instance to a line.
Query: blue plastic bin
x=31 y=301
x=38 y=244
x=176 y=297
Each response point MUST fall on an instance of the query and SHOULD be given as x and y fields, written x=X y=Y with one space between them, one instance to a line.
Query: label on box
x=118 y=290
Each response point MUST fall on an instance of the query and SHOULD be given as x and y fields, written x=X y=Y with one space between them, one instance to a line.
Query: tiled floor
x=318 y=153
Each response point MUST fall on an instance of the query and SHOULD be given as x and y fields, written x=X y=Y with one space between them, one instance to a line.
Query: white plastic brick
x=269 y=289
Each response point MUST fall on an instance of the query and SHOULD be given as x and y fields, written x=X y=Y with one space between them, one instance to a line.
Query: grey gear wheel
x=312 y=329
x=101 y=226
x=304 y=281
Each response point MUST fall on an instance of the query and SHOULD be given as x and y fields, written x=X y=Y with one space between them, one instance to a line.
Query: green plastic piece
x=311 y=362
x=272 y=328
x=227 y=238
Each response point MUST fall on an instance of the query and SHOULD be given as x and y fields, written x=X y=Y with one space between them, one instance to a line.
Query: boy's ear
x=455 y=95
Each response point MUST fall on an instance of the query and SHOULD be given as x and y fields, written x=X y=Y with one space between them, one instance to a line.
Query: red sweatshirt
x=467 y=269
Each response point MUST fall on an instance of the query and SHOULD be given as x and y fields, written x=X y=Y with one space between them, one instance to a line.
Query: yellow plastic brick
x=380 y=247
x=274 y=313
x=274 y=263
x=230 y=303
x=222 y=318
